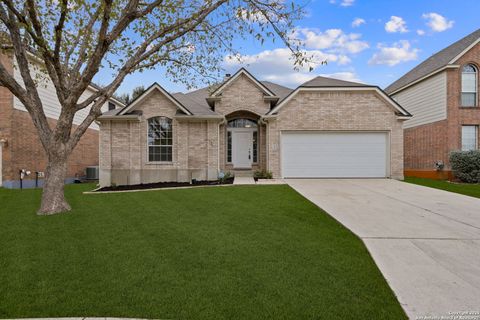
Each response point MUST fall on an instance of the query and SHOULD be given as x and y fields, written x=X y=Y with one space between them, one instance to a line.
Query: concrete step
x=243 y=180
x=243 y=173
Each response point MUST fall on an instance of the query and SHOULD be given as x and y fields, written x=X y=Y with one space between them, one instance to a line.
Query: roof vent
x=227 y=76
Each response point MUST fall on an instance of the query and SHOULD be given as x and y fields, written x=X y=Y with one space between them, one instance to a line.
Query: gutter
x=205 y=117
x=119 y=118
x=431 y=74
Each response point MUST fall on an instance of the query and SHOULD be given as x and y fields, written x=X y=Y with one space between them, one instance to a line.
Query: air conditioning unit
x=92 y=173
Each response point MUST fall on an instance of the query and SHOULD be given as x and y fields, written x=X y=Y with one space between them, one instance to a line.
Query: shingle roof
x=280 y=91
x=196 y=101
x=435 y=62
x=330 y=82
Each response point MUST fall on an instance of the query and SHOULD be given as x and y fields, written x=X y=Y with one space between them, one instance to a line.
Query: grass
x=246 y=252
x=468 y=189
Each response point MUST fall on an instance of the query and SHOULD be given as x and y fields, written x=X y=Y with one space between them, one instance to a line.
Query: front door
x=242 y=147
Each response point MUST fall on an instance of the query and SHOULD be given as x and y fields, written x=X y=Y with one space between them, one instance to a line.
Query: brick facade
x=123 y=145
x=426 y=144
x=200 y=144
x=337 y=111
x=23 y=149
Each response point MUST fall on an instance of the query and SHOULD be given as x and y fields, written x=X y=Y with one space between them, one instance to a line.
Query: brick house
x=20 y=147
x=442 y=94
x=323 y=128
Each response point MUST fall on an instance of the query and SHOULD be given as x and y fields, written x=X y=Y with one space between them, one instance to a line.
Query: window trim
x=474 y=66
x=148 y=145
x=476 y=136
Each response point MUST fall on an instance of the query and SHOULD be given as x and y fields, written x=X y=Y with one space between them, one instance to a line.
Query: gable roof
x=329 y=84
x=436 y=62
x=280 y=91
x=195 y=103
x=153 y=87
x=243 y=71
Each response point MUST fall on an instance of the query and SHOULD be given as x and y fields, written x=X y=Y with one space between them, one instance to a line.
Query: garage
x=334 y=154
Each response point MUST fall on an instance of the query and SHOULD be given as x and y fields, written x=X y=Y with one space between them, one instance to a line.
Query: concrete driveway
x=426 y=242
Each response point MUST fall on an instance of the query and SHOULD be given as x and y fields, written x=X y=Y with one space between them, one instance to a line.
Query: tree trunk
x=53 y=198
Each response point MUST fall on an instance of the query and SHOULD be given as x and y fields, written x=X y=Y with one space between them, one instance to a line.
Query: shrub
x=225 y=176
x=466 y=165
x=262 y=174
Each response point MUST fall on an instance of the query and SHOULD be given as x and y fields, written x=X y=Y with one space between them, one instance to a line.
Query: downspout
x=224 y=120
x=267 y=142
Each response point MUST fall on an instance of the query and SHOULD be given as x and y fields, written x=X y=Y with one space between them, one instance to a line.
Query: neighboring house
x=442 y=95
x=20 y=147
x=323 y=128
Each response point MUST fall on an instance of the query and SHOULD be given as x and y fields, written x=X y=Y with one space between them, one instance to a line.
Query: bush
x=262 y=174
x=225 y=177
x=466 y=165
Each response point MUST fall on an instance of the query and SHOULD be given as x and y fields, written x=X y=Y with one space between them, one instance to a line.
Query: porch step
x=243 y=173
x=243 y=180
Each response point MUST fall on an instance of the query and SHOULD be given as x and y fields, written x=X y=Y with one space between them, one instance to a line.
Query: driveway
x=425 y=241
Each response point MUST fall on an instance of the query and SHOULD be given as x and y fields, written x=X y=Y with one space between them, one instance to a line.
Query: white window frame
x=475 y=128
x=475 y=104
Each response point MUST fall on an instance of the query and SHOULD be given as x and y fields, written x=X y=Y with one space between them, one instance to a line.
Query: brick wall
x=124 y=150
x=347 y=111
x=242 y=94
x=24 y=150
x=424 y=145
x=432 y=142
x=6 y=112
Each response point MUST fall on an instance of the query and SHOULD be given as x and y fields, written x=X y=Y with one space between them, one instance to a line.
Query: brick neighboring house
x=442 y=94
x=323 y=128
x=20 y=147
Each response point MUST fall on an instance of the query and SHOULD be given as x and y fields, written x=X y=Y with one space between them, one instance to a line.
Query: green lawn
x=472 y=190
x=246 y=252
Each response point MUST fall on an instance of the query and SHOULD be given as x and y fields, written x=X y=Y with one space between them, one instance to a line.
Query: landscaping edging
x=96 y=191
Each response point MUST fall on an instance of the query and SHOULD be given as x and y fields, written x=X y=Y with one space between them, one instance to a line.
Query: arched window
x=469 y=86
x=242 y=123
x=160 y=139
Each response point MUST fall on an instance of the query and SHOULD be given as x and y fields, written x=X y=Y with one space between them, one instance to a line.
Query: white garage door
x=334 y=154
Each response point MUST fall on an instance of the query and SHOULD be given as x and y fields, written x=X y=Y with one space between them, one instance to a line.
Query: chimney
x=227 y=76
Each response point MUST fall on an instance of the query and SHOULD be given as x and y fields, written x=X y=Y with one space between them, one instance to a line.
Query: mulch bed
x=159 y=185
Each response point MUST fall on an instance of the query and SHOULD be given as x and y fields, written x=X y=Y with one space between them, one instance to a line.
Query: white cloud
x=400 y=52
x=335 y=40
x=420 y=32
x=347 y=76
x=436 y=22
x=333 y=46
x=396 y=24
x=277 y=66
x=344 y=3
x=357 y=22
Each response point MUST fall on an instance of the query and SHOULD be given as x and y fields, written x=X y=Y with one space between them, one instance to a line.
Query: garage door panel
x=334 y=155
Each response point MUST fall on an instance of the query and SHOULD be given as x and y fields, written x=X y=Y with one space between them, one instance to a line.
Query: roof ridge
x=432 y=63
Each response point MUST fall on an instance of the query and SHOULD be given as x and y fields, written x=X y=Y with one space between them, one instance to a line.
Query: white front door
x=242 y=147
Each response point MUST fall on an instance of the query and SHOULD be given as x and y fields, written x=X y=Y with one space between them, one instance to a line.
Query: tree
x=137 y=91
x=74 y=39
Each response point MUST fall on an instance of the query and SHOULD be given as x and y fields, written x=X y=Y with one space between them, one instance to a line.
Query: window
x=469 y=86
x=242 y=123
x=255 y=143
x=160 y=139
x=469 y=138
x=111 y=106
x=229 y=146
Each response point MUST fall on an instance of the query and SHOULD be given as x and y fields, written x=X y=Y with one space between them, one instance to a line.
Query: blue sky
x=388 y=39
